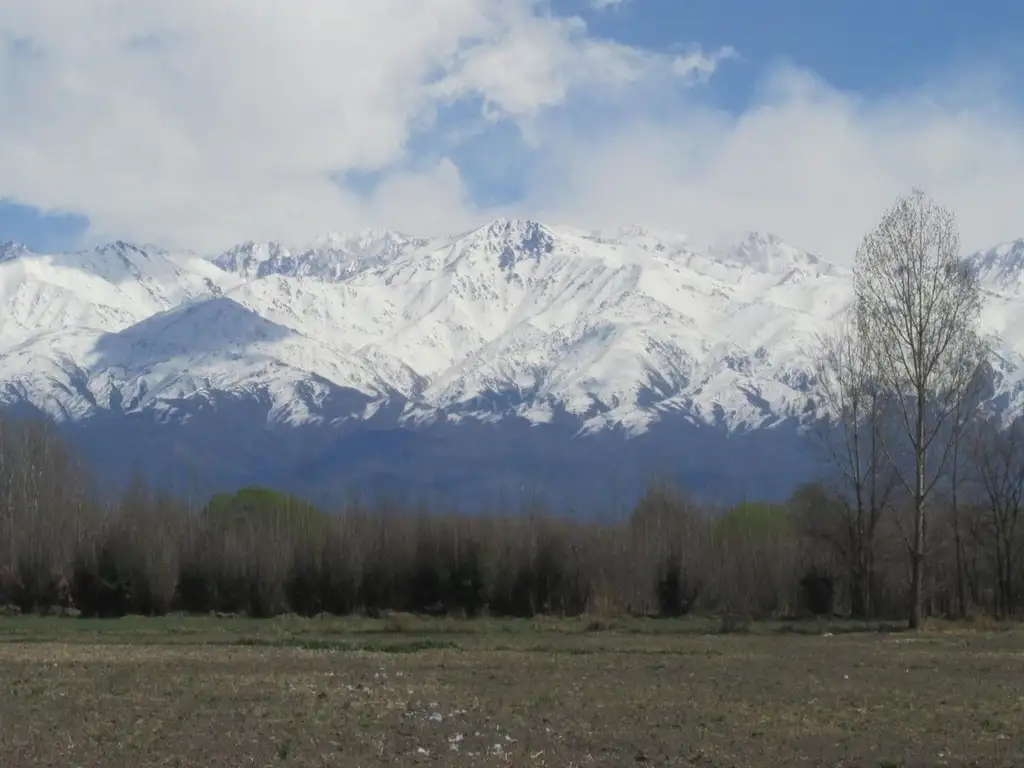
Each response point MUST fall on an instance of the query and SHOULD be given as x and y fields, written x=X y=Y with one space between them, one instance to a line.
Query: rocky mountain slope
x=513 y=357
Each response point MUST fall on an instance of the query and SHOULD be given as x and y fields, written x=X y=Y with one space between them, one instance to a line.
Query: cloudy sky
x=199 y=123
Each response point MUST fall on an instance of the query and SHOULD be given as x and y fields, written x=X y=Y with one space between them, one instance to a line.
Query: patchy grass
x=203 y=629
x=392 y=645
x=409 y=691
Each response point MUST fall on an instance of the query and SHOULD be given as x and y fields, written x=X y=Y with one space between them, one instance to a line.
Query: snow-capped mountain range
x=408 y=350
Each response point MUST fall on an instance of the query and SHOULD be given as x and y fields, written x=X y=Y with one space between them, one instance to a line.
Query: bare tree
x=965 y=433
x=956 y=514
x=851 y=434
x=8 y=522
x=918 y=304
x=999 y=462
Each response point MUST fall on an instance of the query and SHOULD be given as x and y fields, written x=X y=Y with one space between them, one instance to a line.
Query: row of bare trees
x=261 y=553
x=908 y=382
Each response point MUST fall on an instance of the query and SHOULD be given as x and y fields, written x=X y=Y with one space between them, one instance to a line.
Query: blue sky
x=457 y=164
x=870 y=46
x=39 y=230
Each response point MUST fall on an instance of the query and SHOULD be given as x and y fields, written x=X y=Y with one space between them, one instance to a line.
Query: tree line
x=262 y=553
x=917 y=514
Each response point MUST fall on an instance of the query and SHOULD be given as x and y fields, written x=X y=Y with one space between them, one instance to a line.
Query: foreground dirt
x=603 y=699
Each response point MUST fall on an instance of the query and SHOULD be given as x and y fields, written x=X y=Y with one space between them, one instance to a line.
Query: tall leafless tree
x=851 y=434
x=918 y=305
x=999 y=463
x=965 y=431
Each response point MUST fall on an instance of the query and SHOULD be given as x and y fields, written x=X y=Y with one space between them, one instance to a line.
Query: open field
x=236 y=692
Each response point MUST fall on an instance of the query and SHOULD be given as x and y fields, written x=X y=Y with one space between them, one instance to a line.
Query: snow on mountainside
x=108 y=288
x=1001 y=269
x=331 y=257
x=11 y=250
x=519 y=317
x=621 y=328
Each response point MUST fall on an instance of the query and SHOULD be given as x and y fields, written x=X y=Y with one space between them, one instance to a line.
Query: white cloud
x=198 y=123
x=813 y=164
x=601 y=5
x=698 y=66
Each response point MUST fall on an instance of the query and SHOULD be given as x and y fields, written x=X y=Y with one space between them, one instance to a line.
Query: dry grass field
x=405 y=691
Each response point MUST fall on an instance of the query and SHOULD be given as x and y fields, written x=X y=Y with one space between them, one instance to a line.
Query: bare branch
x=917 y=307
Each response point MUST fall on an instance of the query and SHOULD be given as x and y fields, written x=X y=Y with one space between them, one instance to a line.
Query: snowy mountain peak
x=366 y=239
x=251 y=259
x=122 y=247
x=1001 y=268
x=331 y=257
x=130 y=256
x=508 y=230
x=511 y=240
x=196 y=327
x=758 y=239
x=10 y=250
x=648 y=239
x=767 y=253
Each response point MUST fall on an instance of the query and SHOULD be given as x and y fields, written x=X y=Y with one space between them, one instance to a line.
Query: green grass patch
x=347 y=646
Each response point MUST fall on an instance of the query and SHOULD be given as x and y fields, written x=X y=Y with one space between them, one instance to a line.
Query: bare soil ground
x=291 y=692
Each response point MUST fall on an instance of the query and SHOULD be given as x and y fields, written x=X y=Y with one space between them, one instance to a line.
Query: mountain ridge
x=515 y=321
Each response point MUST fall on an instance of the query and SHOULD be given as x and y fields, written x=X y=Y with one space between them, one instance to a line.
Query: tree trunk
x=872 y=584
x=1007 y=578
x=858 y=599
x=961 y=591
x=961 y=597
x=916 y=591
x=1000 y=595
x=1010 y=602
x=917 y=556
